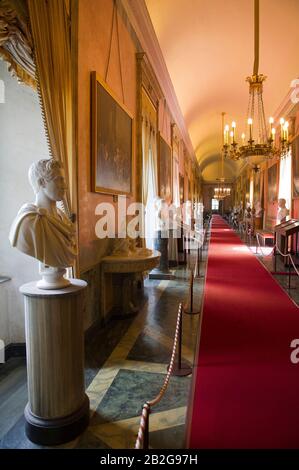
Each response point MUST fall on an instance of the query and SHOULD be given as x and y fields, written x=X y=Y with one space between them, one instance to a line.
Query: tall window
x=150 y=213
x=215 y=205
x=285 y=179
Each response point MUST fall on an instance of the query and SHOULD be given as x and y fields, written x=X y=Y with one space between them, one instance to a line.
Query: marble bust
x=161 y=214
x=282 y=212
x=258 y=209
x=41 y=229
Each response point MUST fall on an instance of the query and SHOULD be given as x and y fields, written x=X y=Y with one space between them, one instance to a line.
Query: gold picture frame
x=112 y=139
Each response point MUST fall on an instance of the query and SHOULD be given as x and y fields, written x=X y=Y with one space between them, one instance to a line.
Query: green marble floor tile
x=131 y=389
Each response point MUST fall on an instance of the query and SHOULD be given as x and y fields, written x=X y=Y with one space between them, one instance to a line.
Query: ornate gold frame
x=95 y=79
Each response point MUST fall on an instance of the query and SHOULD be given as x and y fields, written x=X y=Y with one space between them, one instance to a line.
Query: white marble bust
x=282 y=212
x=258 y=209
x=43 y=231
x=161 y=214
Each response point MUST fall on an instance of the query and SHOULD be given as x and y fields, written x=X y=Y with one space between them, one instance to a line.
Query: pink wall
x=93 y=45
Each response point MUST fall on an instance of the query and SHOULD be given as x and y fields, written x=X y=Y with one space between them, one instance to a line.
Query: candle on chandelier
x=273 y=135
x=233 y=130
x=231 y=137
x=243 y=138
x=250 y=128
x=271 y=121
x=286 y=131
x=281 y=128
x=226 y=131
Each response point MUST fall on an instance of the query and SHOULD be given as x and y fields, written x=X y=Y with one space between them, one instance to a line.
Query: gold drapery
x=50 y=26
x=16 y=40
x=149 y=163
x=149 y=147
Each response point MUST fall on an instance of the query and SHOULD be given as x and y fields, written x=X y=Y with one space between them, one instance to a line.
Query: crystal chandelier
x=259 y=142
x=221 y=191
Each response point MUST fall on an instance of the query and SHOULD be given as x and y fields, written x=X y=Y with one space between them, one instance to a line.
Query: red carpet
x=245 y=388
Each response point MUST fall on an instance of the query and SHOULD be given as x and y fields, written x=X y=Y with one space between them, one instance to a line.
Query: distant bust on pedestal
x=282 y=212
x=43 y=231
x=161 y=214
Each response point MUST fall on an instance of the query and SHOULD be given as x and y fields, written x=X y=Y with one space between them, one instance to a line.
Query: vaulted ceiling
x=208 y=49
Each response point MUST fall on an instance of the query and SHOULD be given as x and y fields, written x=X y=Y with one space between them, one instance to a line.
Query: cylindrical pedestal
x=161 y=244
x=258 y=223
x=58 y=408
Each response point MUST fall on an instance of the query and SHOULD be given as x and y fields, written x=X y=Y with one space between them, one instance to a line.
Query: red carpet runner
x=245 y=387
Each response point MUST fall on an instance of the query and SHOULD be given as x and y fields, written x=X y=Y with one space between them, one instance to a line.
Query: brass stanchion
x=188 y=308
x=180 y=369
x=197 y=274
x=146 y=432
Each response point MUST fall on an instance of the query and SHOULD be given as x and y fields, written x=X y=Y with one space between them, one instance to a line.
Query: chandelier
x=221 y=191
x=259 y=143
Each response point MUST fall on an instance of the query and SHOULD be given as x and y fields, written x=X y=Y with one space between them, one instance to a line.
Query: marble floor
x=126 y=363
x=125 y=366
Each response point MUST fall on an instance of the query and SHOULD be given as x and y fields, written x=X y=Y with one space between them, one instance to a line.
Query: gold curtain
x=149 y=146
x=50 y=26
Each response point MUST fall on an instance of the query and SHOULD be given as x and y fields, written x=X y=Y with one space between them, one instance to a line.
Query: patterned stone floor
x=125 y=366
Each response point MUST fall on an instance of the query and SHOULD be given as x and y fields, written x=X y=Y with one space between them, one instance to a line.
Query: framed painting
x=295 y=168
x=165 y=170
x=112 y=141
x=257 y=187
x=272 y=183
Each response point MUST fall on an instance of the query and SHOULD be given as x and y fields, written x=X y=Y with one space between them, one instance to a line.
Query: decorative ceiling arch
x=208 y=50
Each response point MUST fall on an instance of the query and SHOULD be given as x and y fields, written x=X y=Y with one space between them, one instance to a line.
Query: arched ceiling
x=208 y=49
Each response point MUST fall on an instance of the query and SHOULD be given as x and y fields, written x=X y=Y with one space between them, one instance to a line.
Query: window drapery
x=285 y=179
x=146 y=141
x=149 y=166
x=176 y=176
x=50 y=27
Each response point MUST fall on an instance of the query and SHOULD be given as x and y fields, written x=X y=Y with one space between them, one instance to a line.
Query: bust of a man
x=43 y=231
x=161 y=213
x=258 y=209
x=282 y=212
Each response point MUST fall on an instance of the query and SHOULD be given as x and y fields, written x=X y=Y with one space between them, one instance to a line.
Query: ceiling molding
x=140 y=20
x=286 y=107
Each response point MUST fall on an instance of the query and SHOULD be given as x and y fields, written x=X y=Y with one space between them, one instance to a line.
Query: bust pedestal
x=162 y=271
x=58 y=408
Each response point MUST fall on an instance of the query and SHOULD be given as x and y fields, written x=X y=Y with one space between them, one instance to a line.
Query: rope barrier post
x=197 y=265
x=142 y=440
x=146 y=432
x=289 y=275
x=181 y=369
x=189 y=307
